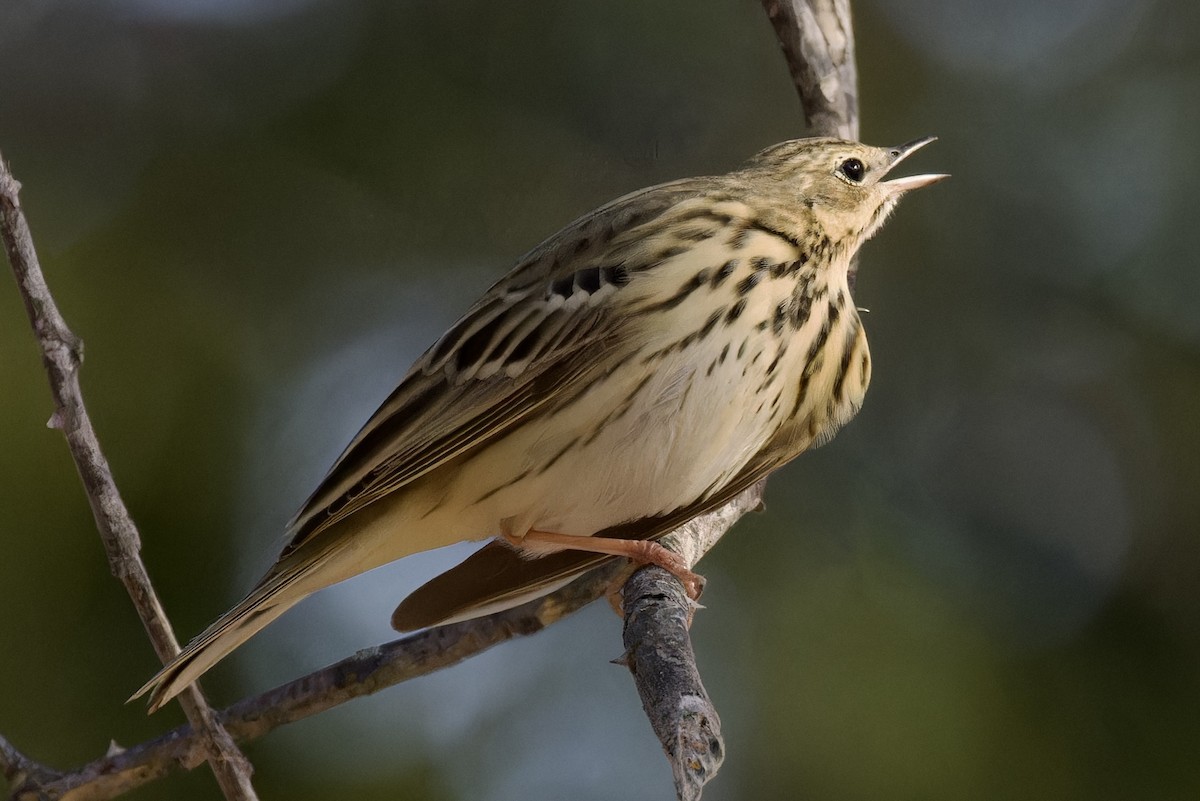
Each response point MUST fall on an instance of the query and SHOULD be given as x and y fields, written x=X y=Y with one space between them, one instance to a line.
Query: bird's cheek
x=834 y=220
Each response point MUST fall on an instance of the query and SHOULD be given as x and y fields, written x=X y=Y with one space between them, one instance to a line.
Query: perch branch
x=658 y=652
x=62 y=353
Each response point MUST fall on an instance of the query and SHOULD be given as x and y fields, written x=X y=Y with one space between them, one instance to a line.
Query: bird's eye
x=853 y=169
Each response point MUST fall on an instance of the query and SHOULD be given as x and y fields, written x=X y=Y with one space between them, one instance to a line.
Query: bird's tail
x=364 y=541
x=282 y=588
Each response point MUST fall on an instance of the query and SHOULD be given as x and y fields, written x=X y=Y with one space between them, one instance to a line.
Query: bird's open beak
x=911 y=182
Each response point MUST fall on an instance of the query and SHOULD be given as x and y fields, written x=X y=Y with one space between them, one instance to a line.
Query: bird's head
x=842 y=182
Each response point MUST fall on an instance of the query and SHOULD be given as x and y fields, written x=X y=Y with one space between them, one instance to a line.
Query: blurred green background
x=258 y=214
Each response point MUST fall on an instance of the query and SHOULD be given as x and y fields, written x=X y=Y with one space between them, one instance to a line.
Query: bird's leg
x=646 y=552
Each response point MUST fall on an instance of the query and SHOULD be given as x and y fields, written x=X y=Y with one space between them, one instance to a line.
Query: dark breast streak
x=830 y=388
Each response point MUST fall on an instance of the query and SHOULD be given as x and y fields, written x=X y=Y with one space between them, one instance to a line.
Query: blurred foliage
x=256 y=215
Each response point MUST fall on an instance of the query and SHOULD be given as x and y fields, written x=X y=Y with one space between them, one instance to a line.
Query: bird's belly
x=640 y=443
x=678 y=437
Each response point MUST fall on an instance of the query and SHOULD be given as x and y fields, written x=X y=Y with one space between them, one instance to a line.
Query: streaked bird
x=637 y=369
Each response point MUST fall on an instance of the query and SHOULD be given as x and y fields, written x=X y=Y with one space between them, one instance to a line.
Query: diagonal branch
x=62 y=353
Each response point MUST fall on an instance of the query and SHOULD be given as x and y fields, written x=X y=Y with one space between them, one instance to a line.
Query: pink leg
x=643 y=551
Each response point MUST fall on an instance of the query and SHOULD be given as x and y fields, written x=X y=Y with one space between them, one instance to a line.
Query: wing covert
x=533 y=338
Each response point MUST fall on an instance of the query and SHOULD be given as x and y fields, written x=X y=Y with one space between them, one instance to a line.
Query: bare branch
x=658 y=652
x=660 y=657
x=817 y=40
x=62 y=354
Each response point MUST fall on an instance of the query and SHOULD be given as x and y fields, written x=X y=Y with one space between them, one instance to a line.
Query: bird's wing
x=538 y=336
x=496 y=577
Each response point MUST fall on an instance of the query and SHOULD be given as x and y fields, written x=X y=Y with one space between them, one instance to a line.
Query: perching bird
x=637 y=369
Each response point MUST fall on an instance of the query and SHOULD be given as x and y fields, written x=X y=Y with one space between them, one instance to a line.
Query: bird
x=637 y=369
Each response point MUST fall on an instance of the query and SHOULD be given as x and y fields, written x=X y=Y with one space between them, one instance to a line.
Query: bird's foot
x=645 y=552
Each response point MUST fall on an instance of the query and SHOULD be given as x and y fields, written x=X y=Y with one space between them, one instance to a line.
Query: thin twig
x=62 y=354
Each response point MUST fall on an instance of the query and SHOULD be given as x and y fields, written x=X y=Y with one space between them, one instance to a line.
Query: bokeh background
x=257 y=214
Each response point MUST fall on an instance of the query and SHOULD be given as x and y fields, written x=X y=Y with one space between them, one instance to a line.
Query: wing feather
x=532 y=339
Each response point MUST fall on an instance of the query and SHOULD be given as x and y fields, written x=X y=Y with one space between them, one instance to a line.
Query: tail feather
x=492 y=579
x=364 y=541
x=265 y=603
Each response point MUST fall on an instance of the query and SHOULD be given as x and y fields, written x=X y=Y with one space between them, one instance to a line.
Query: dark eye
x=853 y=169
